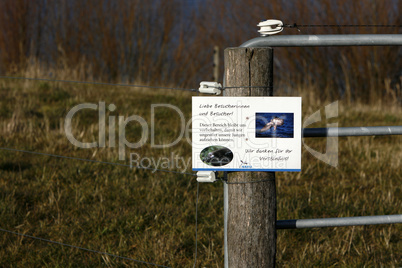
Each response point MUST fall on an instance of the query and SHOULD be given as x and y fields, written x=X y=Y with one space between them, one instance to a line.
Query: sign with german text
x=246 y=133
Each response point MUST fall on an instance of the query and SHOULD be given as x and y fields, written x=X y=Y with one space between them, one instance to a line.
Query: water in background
x=284 y=131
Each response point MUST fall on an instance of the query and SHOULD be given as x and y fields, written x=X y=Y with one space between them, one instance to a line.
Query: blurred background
x=172 y=42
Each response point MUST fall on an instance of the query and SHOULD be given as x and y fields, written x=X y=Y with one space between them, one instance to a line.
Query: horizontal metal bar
x=325 y=40
x=337 y=222
x=351 y=131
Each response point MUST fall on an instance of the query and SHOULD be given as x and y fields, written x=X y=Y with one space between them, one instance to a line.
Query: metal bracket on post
x=206 y=176
x=210 y=88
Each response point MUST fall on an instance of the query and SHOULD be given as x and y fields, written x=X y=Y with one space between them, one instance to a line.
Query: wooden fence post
x=251 y=232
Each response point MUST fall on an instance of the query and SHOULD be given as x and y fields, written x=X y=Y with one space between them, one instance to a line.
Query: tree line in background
x=171 y=42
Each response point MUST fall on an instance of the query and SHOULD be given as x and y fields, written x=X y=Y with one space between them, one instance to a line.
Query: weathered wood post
x=251 y=232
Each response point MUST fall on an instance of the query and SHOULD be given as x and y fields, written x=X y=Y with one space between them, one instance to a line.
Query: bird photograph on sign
x=216 y=155
x=274 y=125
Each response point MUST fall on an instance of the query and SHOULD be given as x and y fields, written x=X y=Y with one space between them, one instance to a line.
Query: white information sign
x=246 y=133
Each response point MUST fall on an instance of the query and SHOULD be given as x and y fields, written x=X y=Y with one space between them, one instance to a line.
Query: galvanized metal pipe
x=325 y=40
x=337 y=222
x=351 y=131
x=225 y=216
x=225 y=206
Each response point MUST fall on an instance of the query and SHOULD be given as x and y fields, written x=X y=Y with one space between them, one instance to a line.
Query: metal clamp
x=206 y=176
x=270 y=27
x=210 y=88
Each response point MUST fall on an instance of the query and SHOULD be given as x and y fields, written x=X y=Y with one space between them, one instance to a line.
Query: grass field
x=151 y=216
